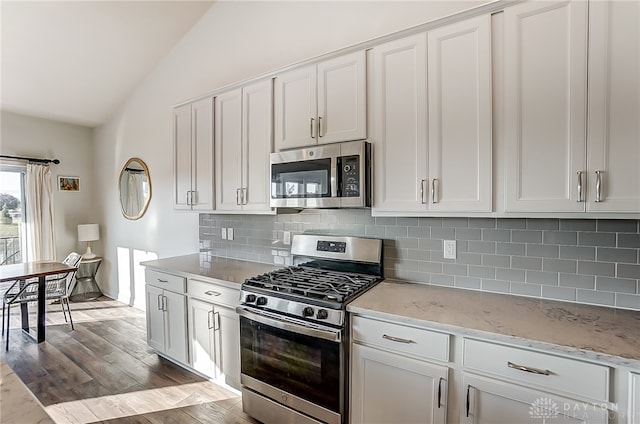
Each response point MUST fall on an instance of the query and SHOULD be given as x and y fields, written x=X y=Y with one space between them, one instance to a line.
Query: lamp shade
x=88 y=232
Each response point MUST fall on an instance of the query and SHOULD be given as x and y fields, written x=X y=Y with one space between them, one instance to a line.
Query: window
x=12 y=214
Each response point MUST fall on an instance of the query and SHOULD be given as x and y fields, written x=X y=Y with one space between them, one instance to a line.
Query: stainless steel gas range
x=293 y=330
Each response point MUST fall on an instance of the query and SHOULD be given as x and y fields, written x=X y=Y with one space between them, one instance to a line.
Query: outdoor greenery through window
x=12 y=207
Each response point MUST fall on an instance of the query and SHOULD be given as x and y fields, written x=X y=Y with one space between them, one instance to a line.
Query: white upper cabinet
x=432 y=120
x=459 y=104
x=243 y=142
x=613 y=137
x=399 y=101
x=321 y=103
x=545 y=46
x=193 y=156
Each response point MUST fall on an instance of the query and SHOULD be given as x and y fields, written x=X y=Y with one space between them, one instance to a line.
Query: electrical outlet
x=229 y=233
x=449 y=249
x=286 y=237
x=224 y=234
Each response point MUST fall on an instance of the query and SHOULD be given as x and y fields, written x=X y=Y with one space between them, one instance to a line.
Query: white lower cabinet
x=489 y=400
x=391 y=388
x=166 y=315
x=214 y=332
x=634 y=399
x=392 y=380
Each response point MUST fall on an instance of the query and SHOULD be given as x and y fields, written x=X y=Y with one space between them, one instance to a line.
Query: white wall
x=235 y=40
x=40 y=138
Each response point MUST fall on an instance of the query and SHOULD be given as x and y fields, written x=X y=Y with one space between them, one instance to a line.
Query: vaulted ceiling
x=78 y=61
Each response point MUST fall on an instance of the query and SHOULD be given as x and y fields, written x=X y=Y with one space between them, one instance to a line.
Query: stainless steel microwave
x=329 y=176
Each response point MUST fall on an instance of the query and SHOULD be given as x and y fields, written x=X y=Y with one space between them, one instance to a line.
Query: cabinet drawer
x=213 y=293
x=554 y=373
x=401 y=338
x=165 y=281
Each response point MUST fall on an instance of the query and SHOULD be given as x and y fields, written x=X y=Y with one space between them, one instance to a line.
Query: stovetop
x=330 y=272
x=312 y=283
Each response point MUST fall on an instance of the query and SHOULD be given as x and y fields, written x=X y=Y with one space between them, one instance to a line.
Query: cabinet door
x=257 y=144
x=459 y=87
x=400 y=123
x=182 y=157
x=155 y=318
x=614 y=107
x=634 y=399
x=296 y=108
x=176 y=326
x=545 y=106
x=389 y=388
x=489 y=401
x=342 y=99
x=228 y=346
x=202 y=155
x=201 y=341
x=228 y=142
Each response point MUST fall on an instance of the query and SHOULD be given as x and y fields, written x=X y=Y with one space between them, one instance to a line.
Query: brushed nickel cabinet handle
x=579 y=186
x=528 y=369
x=468 y=403
x=159 y=302
x=237 y=196
x=319 y=126
x=311 y=128
x=210 y=320
x=433 y=191
x=244 y=196
x=216 y=321
x=598 y=186
x=422 y=192
x=212 y=293
x=397 y=339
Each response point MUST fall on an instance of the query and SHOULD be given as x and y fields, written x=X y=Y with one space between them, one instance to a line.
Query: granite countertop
x=231 y=271
x=584 y=331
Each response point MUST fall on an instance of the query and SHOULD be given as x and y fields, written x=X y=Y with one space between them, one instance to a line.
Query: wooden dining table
x=26 y=271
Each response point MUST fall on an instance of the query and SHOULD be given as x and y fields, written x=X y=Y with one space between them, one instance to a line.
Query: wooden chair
x=58 y=287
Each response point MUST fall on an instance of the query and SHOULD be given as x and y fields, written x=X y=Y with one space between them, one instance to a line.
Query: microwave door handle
x=334 y=177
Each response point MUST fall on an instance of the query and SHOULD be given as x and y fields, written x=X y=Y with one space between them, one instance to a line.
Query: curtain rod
x=55 y=161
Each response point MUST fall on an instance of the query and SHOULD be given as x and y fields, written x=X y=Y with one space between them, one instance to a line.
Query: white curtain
x=135 y=193
x=40 y=230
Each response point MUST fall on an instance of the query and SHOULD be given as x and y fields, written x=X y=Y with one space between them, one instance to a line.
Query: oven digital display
x=331 y=246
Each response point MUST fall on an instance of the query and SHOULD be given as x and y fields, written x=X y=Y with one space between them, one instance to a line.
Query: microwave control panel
x=350 y=176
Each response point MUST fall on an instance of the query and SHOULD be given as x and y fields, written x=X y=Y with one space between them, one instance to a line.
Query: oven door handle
x=331 y=335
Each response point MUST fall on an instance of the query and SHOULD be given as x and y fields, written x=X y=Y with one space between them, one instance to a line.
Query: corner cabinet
x=321 y=103
x=214 y=331
x=432 y=120
x=243 y=142
x=193 y=156
x=391 y=382
x=166 y=314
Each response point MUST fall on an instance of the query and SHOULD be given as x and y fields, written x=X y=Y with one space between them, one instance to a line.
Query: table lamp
x=88 y=233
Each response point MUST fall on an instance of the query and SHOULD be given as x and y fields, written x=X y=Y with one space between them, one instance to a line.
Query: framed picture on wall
x=68 y=183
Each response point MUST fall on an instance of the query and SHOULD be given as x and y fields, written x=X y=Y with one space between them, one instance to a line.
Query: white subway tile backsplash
x=588 y=261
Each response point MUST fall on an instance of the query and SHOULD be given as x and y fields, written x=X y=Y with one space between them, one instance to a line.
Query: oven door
x=292 y=363
x=305 y=177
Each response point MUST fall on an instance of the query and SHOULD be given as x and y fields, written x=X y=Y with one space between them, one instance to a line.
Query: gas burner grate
x=314 y=283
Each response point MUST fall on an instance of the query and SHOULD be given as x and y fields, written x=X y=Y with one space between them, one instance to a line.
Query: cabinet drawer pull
x=468 y=403
x=528 y=369
x=422 y=191
x=212 y=293
x=440 y=393
x=319 y=126
x=210 y=320
x=311 y=128
x=162 y=281
x=397 y=339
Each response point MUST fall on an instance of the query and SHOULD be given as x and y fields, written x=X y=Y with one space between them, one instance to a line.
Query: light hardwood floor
x=103 y=371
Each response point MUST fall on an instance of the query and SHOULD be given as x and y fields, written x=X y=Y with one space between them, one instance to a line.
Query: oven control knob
x=261 y=301
x=322 y=314
x=250 y=298
x=308 y=312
